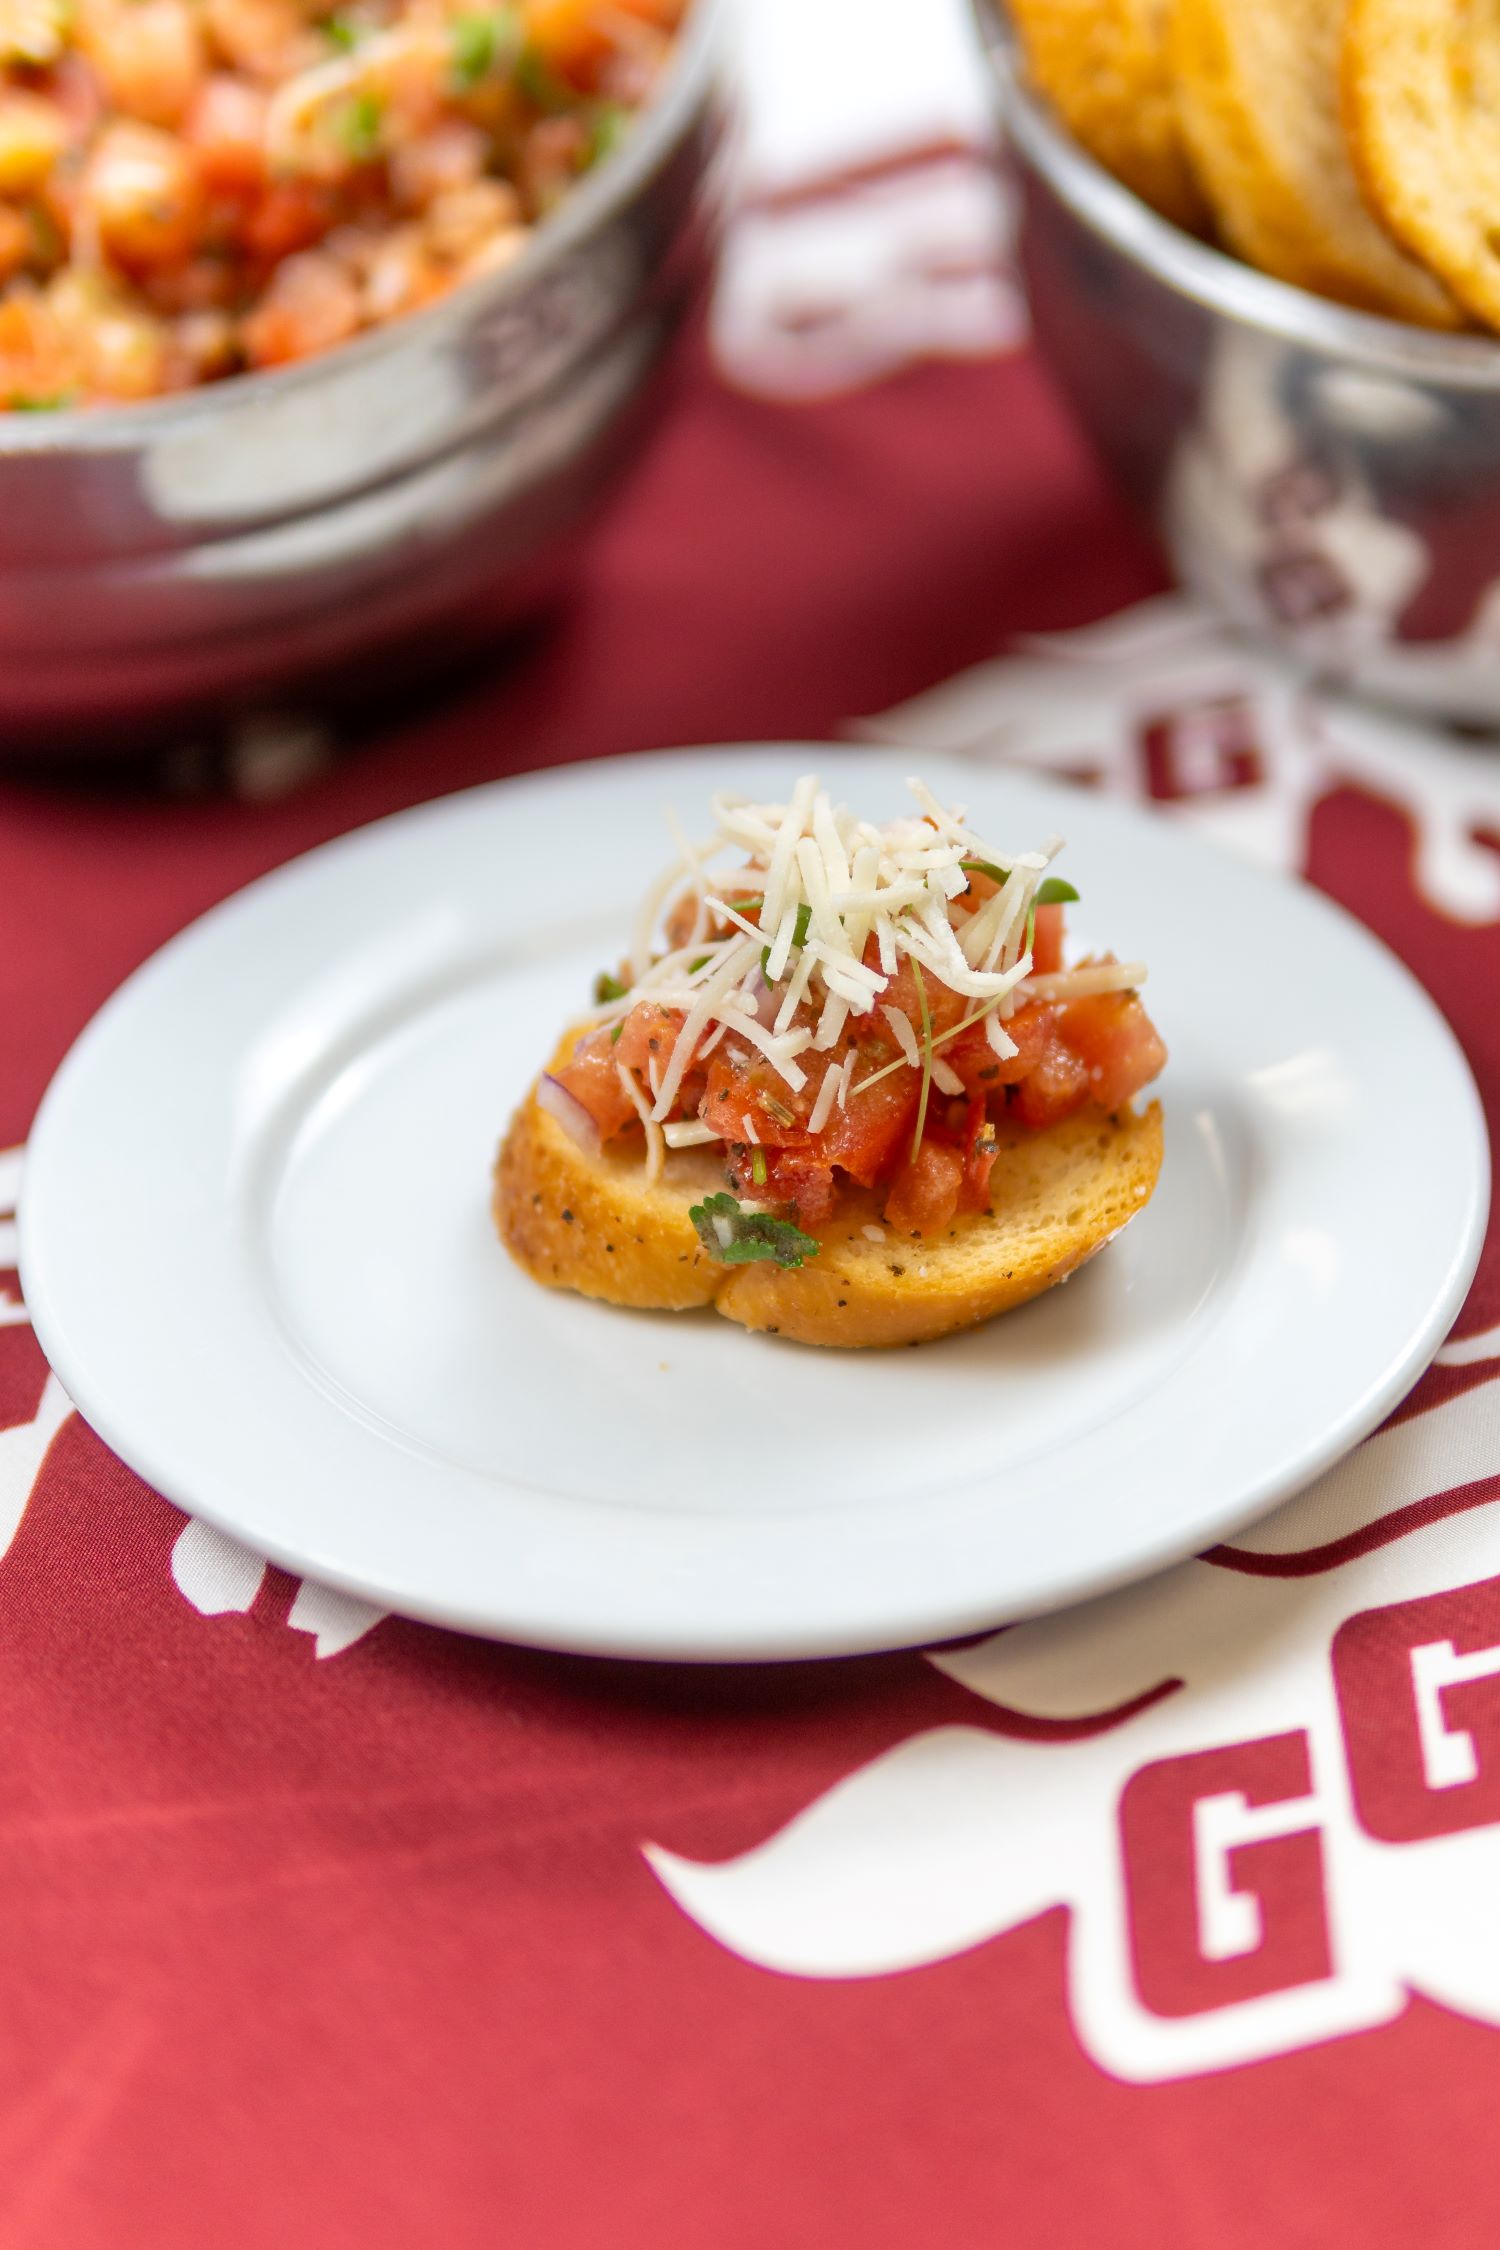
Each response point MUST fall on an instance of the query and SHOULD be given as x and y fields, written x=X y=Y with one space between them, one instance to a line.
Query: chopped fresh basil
x=607 y=988
x=611 y=124
x=341 y=33
x=758 y=1166
x=358 y=125
x=701 y=962
x=482 y=45
x=746 y=1238
x=616 y=1035
x=985 y=867
x=539 y=82
x=40 y=402
x=1056 y=892
x=799 y=937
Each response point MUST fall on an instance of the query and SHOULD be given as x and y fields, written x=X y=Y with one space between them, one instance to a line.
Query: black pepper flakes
x=567 y=1218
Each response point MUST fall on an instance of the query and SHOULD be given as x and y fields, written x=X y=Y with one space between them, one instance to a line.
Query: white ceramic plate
x=256 y=1246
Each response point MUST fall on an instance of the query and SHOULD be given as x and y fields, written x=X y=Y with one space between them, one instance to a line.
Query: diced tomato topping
x=571 y=37
x=743 y=1084
x=863 y=1137
x=1047 y=944
x=924 y=1194
x=945 y=1007
x=1118 y=1044
x=798 y=1179
x=592 y=1077
x=977 y=1063
x=226 y=129
x=1055 y=1086
x=291 y=215
x=649 y=1035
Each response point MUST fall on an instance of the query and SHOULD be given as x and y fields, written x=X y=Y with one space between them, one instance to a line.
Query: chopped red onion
x=766 y=1000
x=553 y=1096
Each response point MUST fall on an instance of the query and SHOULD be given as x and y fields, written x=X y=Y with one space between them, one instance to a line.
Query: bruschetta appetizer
x=845 y=1089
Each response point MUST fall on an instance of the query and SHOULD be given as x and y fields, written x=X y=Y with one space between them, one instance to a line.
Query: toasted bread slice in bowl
x=595 y=1224
x=1102 y=64
x=1420 y=93
x=1258 y=98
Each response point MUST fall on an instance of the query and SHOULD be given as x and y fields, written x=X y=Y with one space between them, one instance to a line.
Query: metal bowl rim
x=1212 y=279
x=82 y=431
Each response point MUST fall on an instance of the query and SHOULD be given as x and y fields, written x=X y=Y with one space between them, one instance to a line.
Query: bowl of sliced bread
x=1262 y=266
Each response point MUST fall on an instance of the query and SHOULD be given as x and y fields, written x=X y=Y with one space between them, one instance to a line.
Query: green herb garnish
x=616 y=1035
x=607 y=988
x=695 y=966
x=40 y=402
x=481 y=46
x=985 y=867
x=749 y=1237
x=926 y=1015
x=799 y=937
x=539 y=82
x=611 y=124
x=341 y=33
x=776 y=1109
x=758 y=1166
x=358 y=125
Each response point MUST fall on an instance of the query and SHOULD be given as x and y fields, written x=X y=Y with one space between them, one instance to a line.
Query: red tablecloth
x=327 y=1929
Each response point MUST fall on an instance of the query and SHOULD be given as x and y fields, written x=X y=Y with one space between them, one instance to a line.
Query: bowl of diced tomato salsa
x=322 y=329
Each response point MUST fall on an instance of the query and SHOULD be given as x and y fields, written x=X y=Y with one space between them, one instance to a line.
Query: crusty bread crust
x=596 y=1225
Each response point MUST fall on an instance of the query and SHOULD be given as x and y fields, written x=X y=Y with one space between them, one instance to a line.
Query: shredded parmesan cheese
x=906 y=1038
x=807 y=926
x=1082 y=984
x=655 y=1152
x=688 y=1132
x=822 y=1108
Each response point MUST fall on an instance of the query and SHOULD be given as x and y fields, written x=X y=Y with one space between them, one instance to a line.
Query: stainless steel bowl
x=277 y=535
x=1329 y=480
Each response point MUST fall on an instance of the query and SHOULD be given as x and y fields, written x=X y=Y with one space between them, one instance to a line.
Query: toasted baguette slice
x=595 y=1224
x=1258 y=96
x=1102 y=64
x=1420 y=87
